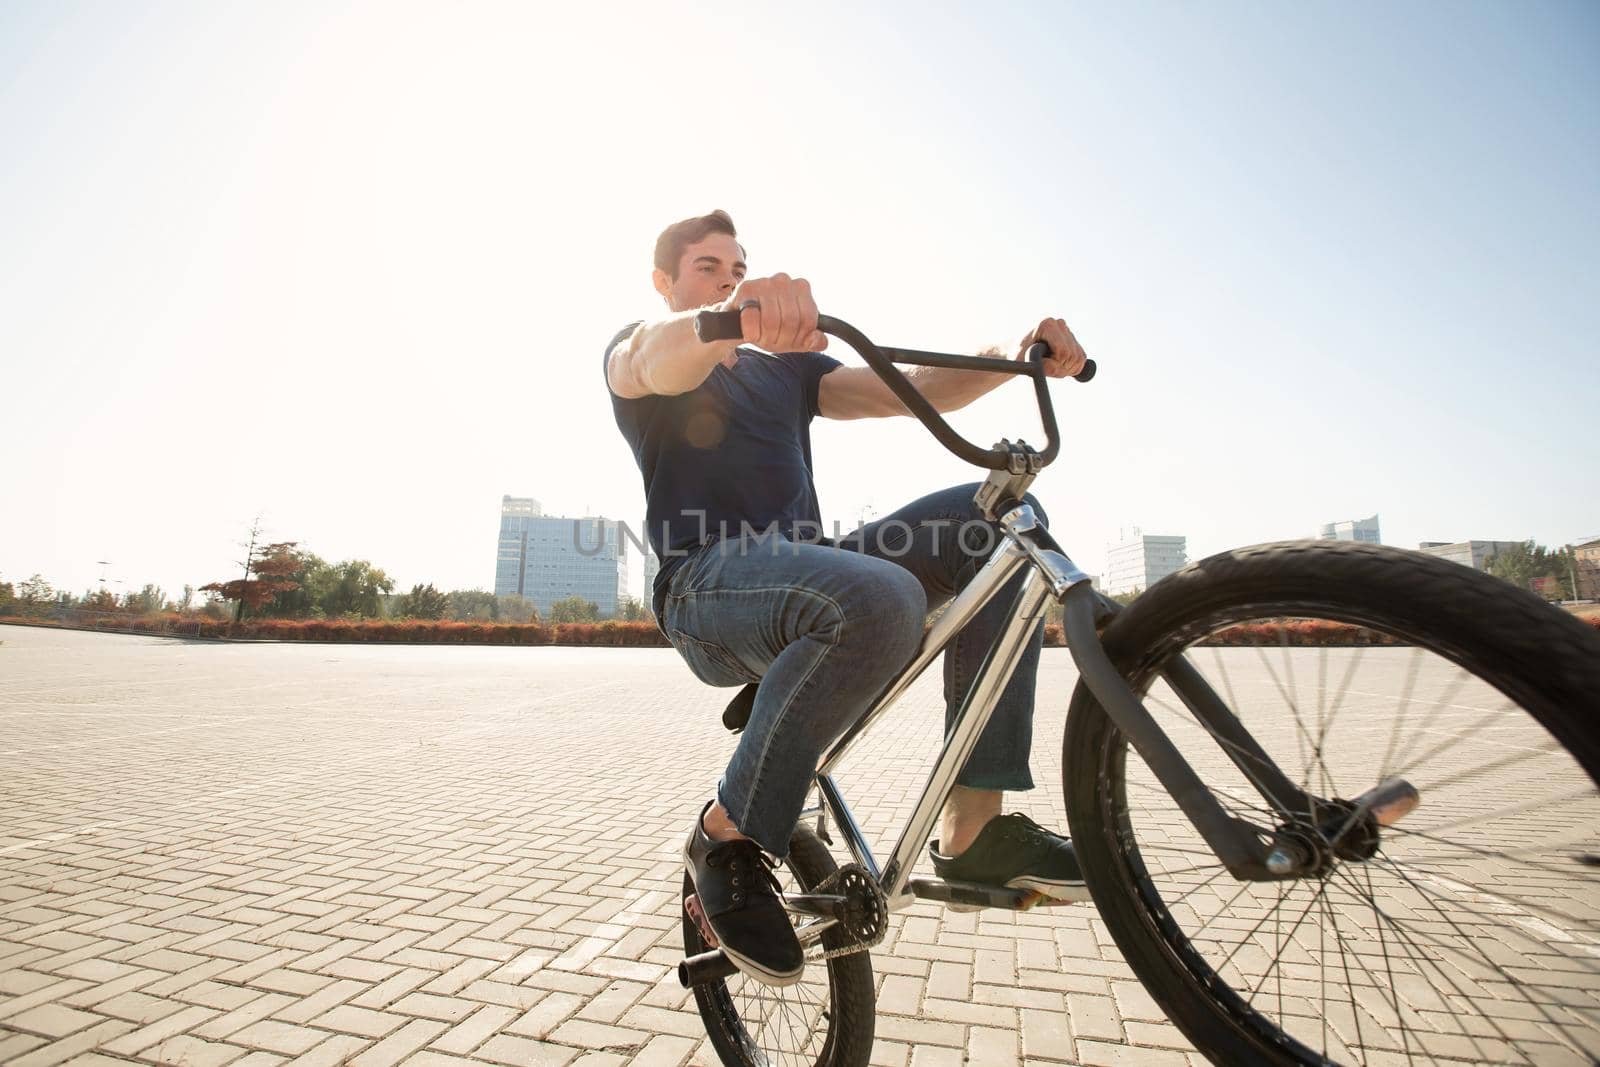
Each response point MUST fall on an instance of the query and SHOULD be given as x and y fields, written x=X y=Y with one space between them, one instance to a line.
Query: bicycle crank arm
x=820 y=905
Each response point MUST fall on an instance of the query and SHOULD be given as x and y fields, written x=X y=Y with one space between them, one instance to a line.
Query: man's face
x=707 y=274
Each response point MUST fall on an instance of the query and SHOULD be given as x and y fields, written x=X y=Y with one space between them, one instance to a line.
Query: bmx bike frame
x=1250 y=851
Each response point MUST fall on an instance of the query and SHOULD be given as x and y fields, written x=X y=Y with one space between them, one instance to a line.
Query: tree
x=8 y=599
x=147 y=601
x=355 y=589
x=515 y=609
x=101 y=599
x=473 y=605
x=631 y=610
x=574 y=609
x=36 y=595
x=273 y=566
x=1525 y=564
x=423 y=602
x=303 y=576
x=188 y=598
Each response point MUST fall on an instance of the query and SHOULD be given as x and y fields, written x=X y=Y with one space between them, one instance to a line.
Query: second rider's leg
x=944 y=540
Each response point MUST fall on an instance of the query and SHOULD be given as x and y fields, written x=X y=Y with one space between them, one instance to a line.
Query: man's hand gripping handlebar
x=726 y=326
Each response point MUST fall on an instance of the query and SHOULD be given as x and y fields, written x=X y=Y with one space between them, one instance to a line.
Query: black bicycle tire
x=1544 y=659
x=850 y=984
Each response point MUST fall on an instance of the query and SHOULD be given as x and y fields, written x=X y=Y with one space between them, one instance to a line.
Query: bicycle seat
x=737 y=713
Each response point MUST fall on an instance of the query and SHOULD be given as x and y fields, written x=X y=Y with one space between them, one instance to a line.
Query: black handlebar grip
x=1038 y=350
x=718 y=326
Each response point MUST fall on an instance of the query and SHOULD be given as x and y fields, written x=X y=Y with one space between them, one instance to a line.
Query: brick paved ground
x=243 y=854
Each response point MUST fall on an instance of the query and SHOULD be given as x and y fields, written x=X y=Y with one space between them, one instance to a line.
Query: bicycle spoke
x=1262 y=921
x=1440 y=703
x=1302 y=737
x=1178 y=899
x=1322 y=723
x=1498 y=969
x=1519 y=855
x=1509 y=761
x=1243 y=764
x=1388 y=967
x=1400 y=716
x=1344 y=683
x=1419 y=956
x=1472 y=729
x=1344 y=960
x=1584 y=792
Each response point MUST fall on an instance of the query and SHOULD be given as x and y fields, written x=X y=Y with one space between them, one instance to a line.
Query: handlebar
x=725 y=326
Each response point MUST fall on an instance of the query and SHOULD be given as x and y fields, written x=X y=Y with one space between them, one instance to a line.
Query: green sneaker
x=1016 y=852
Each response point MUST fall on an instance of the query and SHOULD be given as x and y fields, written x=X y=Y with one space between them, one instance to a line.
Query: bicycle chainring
x=866 y=910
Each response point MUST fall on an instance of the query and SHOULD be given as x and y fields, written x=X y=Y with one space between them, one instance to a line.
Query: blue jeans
x=824 y=627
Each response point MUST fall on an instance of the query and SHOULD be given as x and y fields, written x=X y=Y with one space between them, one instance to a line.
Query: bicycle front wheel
x=1470 y=929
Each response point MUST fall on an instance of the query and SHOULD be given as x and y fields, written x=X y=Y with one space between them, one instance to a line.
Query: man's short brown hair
x=680 y=235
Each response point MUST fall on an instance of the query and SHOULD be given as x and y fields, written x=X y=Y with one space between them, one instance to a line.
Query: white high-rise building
x=1141 y=560
x=1351 y=530
x=1474 y=554
x=546 y=558
x=652 y=567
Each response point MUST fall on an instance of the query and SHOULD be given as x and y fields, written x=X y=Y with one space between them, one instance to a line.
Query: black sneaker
x=1018 y=853
x=739 y=899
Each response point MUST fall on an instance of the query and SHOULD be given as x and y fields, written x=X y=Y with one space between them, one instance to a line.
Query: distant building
x=1141 y=560
x=547 y=558
x=1352 y=530
x=1586 y=561
x=1474 y=554
x=652 y=567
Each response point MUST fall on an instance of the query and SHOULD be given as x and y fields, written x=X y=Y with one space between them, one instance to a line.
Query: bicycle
x=1203 y=855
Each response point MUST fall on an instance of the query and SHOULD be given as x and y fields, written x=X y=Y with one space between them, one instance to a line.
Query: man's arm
x=858 y=392
x=666 y=357
x=663 y=358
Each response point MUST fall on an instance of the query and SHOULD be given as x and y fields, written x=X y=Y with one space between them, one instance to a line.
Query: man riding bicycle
x=750 y=591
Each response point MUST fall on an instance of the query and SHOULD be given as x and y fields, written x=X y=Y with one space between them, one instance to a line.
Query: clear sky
x=352 y=266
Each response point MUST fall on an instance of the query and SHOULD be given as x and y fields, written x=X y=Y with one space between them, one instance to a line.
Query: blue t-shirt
x=735 y=449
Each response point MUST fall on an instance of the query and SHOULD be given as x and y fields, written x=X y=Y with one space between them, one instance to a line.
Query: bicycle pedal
x=969 y=896
x=691 y=904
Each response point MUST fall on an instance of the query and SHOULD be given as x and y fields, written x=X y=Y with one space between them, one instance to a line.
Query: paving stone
x=360 y=1022
x=402 y=1043
x=990 y=1047
x=321 y=873
x=337 y=1049
x=664 y=1051
x=475 y=1029
x=64 y=1049
x=523 y=1052
x=192 y=1051
x=53 y=1020
x=430 y=1006
x=273 y=1035
x=179 y=1022
x=138 y=1007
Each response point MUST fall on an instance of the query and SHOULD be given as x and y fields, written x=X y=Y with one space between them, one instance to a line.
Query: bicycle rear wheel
x=826 y=1020
x=1472 y=931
